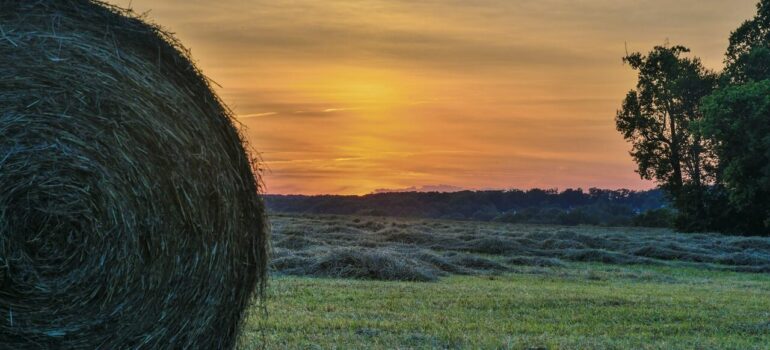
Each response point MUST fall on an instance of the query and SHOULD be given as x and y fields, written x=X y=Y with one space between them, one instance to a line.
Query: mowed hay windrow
x=129 y=210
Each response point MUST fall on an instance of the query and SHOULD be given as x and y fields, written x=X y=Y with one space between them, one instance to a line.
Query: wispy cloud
x=256 y=115
x=331 y=110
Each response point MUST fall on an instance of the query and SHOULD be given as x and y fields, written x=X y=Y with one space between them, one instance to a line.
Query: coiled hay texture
x=129 y=208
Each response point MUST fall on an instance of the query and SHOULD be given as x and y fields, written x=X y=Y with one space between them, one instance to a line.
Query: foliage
x=569 y=207
x=706 y=145
x=748 y=55
x=655 y=118
x=662 y=217
x=734 y=130
x=738 y=119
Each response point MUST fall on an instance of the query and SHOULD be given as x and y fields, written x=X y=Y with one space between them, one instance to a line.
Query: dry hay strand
x=364 y=263
x=538 y=261
x=129 y=211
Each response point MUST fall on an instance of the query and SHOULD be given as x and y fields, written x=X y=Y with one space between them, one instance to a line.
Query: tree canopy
x=737 y=118
x=655 y=117
x=748 y=55
x=705 y=138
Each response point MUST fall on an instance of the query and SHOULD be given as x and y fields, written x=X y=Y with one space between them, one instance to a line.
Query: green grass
x=583 y=306
x=611 y=288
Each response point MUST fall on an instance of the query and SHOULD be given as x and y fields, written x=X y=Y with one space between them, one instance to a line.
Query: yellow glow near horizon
x=347 y=97
x=362 y=89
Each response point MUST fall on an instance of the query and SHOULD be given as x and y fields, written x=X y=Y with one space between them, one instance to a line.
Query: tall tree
x=748 y=55
x=737 y=121
x=655 y=118
x=737 y=118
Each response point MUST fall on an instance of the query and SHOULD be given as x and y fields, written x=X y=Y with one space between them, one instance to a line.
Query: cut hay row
x=129 y=210
x=348 y=246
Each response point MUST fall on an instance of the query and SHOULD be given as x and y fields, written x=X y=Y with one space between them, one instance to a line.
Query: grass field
x=567 y=303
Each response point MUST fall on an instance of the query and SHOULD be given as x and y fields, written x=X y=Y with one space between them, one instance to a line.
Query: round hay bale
x=129 y=210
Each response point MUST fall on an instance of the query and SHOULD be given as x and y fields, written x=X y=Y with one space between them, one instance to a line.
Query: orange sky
x=347 y=97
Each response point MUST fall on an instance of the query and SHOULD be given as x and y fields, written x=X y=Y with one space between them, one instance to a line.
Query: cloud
x=331 y=110
x=256 y=115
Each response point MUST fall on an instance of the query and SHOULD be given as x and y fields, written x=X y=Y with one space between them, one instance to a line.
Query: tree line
x=535 y=206
x=704 y=136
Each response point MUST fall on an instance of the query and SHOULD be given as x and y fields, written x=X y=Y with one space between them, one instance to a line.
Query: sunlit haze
x=348 y=97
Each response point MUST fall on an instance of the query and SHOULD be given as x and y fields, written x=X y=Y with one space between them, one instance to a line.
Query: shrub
x=661 y=217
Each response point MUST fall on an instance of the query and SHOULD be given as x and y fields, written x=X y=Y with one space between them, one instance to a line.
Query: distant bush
x=594 y=214
x=661 y=217
x=579 y=216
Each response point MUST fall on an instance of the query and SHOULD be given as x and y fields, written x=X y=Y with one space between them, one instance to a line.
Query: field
x=363 y=282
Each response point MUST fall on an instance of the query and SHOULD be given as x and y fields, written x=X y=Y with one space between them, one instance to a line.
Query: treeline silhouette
x=704 y=136
x=535 y=206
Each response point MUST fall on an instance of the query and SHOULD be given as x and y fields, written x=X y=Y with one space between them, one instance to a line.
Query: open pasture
x=367 y=282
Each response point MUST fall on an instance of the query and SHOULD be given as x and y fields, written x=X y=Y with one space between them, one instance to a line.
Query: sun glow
x=347 y=97
x=357 y=89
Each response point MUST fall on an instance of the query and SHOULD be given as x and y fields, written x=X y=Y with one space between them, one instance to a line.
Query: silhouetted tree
x=748 y=55
x=737 y=121
x=655 y=117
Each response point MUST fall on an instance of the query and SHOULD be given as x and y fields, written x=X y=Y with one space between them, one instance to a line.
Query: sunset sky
x=348 y=97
